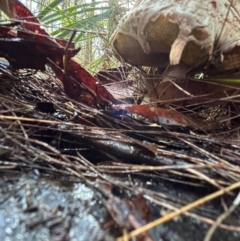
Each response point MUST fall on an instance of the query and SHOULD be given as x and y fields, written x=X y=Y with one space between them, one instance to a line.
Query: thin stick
x=221 y=218
x=176 y=213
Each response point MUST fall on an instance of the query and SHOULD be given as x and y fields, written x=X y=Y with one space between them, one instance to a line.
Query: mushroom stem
x=167 y=86
x=174 y=86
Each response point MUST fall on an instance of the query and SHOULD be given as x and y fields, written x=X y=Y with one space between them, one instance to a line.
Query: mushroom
x=181 y=35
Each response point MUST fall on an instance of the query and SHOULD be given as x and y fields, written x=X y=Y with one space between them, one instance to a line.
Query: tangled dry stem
x=80 y=142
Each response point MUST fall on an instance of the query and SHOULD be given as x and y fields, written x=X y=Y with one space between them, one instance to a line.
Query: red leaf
x=77 y=81
x=16 y=10
x=5 y=30
x=77 y=72
x=23 y=53
x=156 y=114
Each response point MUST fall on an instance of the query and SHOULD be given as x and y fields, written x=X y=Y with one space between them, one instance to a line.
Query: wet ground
x=34 y=207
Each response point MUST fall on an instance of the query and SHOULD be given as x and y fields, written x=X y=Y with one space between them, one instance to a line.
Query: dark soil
x=34 y=207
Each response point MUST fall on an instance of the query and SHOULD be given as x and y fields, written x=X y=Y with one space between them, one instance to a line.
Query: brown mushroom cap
x=156 y=32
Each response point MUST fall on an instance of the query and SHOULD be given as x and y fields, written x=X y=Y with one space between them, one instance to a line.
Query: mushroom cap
x=158 y=32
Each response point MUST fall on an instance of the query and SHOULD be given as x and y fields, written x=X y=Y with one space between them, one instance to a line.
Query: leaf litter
x=74 y=167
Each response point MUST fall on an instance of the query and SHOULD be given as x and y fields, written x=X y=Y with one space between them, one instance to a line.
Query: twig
x=222 y=217
x=176 y=213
